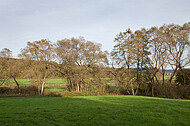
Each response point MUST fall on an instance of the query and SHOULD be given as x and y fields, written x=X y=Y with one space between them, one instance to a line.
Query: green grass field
x=50 y=83
x=94 y=111
x=27 y=81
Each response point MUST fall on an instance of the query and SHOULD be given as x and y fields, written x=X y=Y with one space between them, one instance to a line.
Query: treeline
x=150 y=52
x=136 y=64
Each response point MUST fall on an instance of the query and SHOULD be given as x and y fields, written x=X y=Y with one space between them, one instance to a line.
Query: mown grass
x=94 y=111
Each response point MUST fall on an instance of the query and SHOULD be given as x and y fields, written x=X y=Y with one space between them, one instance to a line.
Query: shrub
x=47 y=92
x=182 y=77
x=28 y=90
x=5 y=90
x=22 y=91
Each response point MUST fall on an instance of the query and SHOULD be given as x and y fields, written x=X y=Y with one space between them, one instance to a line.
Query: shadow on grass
x=92 y=110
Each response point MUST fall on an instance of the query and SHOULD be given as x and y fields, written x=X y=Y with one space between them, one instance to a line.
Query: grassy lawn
x=50 y=83
x=56 y=81
x=166 y=78
x=20 y=81
x=94 y=111
x=27 y=81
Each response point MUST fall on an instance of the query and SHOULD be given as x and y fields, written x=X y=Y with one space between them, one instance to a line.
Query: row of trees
x=72 y=59
x=136 y=64
x=153 y=50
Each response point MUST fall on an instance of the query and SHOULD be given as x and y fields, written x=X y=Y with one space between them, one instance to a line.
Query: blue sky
x=96 y=20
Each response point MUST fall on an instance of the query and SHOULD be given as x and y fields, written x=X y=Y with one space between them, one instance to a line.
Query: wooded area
x=136 y=65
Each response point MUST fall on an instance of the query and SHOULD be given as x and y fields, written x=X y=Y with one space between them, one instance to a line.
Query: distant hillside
x=169 y=71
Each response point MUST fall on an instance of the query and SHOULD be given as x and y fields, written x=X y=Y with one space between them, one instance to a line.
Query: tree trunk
x=136 y=91
x=147 y=92
x=132 y=89
x=43 y=83
x=16 y=82
x=172 y=75
x=77 y=88
x=163 y=74
x=81 y=88
x=152 y=86
x=138 y=71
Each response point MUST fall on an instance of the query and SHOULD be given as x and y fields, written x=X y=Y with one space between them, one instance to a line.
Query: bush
x=172 y=91
x=5 y=90
x=47 y=92
x=22 y=91
x=28 y=90
x=182 y=77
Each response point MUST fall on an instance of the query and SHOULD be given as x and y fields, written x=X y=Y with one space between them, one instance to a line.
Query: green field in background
x=28 y=81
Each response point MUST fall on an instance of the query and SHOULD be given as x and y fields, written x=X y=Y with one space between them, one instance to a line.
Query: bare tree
x=39 y=54
x=177 y=44
x=130 y=51
x=122 y=50
x=76 y=58
x=5 y=55
x=157 y=59
x=10 y=67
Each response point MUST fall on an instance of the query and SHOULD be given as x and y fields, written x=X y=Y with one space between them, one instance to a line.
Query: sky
x=98 y=21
